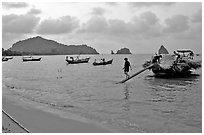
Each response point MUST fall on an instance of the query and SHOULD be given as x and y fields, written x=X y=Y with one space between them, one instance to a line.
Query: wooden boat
x=103 y=63
x=9 y=58
x=4 y=59
x=77 y=60
x=171 y=65
x=30 y=58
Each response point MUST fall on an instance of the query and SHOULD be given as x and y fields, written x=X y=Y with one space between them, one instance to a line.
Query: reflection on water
x=126 y=92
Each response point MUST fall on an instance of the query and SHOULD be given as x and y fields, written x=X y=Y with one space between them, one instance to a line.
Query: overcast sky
x=105 y=26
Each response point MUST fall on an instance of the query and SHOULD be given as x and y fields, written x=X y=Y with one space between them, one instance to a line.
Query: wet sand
x=37 y=121
x=11 y=126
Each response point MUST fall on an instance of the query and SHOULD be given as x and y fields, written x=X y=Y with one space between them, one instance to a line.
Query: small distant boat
x=4 y=59
x=103 y=63
x=77 y=60
x=31 y=58
x=9 y=58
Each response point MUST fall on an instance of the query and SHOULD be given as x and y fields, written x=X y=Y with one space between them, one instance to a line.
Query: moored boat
x=4 y=59
x=180 y=63
x=9 y=58
x=103 y=62
x=77 y=60
x=31 y=58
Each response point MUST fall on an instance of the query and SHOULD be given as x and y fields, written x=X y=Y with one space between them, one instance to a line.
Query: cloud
x=197 y=17
x=144 y=23
x=96 y=24
x=98 y=11
x=9 y=5
x=34 y=11
x=111 y=3
x=117 y=26
x=65 y=24
x=149 y=4
x=176 y=24
x=147 y=24
x=149 y=18
x=20 y=24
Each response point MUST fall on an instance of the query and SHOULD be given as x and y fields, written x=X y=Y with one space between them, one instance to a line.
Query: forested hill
x=39 y=45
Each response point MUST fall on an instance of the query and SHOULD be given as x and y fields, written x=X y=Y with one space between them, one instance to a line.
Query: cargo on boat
x=181 y=63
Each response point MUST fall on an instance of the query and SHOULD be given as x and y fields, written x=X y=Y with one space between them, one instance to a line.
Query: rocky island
x=41 y=46
x=124 y=51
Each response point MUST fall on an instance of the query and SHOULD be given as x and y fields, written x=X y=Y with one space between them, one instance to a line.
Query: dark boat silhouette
x=77 y=60
x=31 y=58
x=103 y=63
x=173 y=65
x=5 y=59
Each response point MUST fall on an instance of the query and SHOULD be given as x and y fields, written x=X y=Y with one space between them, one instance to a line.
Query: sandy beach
x=37 y=121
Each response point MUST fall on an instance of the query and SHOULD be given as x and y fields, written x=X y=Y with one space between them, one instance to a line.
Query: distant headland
x=41 y=46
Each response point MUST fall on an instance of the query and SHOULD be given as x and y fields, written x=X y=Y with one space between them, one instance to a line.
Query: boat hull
x=78 y=61
x=171 y=74
x=174 y=71
x=33 y=59
x=103 y=63
x=5 y=59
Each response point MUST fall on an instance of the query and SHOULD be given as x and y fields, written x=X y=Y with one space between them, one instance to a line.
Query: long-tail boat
x=103 y=63
x=77 y=60
x=181 y=63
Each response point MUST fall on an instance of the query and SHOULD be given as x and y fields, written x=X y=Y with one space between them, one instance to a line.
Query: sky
x=140 y=26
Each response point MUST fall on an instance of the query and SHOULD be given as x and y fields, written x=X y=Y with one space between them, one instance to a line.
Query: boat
x=31 y=58
x=103 y=62
x=4 y=59
x=9 y=58
x=170 y=65
x=77 y=60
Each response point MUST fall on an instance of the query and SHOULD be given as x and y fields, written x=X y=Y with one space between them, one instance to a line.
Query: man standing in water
x=126 y=67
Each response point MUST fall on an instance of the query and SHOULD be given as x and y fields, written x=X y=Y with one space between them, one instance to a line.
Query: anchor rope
x=15 y=121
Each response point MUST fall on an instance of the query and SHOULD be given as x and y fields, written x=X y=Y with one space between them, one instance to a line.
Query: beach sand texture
x=37 y=121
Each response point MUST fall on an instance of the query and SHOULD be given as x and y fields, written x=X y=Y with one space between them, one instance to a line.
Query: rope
x=15 y=121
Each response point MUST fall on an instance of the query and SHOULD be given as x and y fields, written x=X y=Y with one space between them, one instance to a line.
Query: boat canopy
x=184 y=51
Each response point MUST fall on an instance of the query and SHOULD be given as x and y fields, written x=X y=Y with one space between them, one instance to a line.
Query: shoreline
x=38 y=121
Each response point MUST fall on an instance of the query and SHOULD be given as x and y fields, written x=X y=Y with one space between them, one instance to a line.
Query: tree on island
x=41 y=46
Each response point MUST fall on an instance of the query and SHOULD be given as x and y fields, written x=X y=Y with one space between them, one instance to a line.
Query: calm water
x=144 y=104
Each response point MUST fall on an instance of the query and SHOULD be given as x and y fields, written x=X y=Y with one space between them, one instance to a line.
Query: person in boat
x=103 y=60
x=126 y=67
x=77 y=58
x=72 y=58
x=191 y=54
x=178 y=56
x=156 y=58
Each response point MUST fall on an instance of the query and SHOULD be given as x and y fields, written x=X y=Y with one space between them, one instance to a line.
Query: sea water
x=143 y=104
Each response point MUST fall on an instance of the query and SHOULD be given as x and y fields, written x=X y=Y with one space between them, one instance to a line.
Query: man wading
x=126 y=67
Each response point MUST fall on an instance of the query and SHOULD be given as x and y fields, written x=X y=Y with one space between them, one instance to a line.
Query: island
x=41 y=46
x=124 y=51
